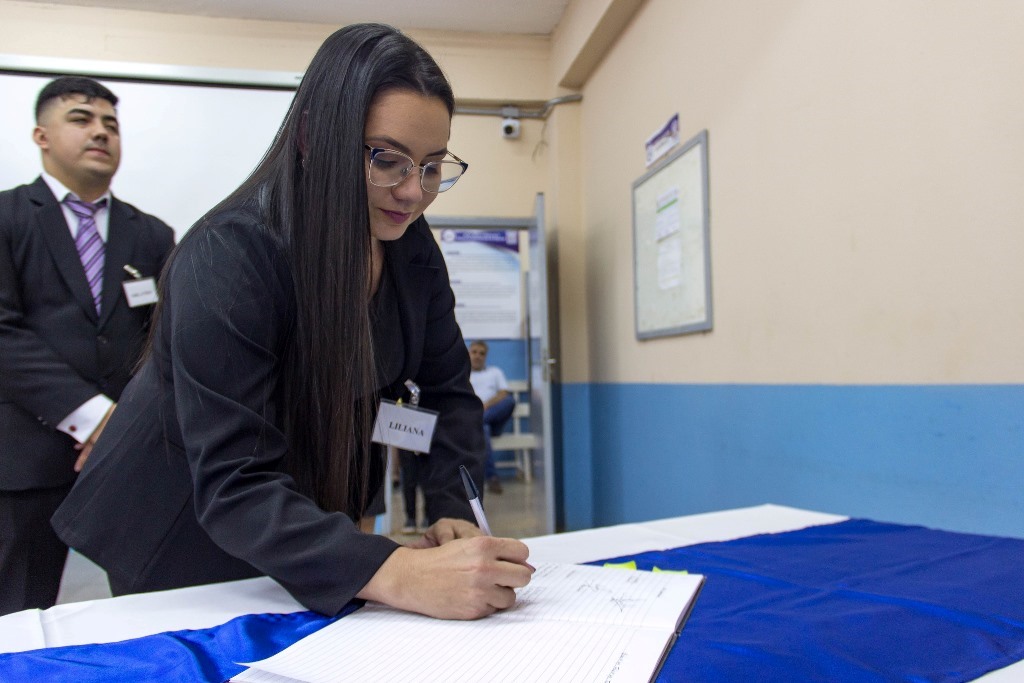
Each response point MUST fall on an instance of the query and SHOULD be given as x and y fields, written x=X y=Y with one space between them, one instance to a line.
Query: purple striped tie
x=90 y=246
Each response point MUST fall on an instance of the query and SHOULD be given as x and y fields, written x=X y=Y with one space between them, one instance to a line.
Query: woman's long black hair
x=310 y=188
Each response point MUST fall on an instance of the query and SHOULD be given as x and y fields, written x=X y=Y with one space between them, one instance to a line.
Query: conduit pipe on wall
x=517 y=112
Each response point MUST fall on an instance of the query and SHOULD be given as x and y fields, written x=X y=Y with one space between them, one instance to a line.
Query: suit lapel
x=54 y=227
x=118 y=253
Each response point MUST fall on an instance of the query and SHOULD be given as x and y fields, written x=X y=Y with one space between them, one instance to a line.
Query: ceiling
x=486 y=16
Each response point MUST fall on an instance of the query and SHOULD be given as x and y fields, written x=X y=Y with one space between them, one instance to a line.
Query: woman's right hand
x=466 y=578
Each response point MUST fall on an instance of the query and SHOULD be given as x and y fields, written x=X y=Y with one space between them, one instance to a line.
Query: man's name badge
x=404 y=427
x=140 y=292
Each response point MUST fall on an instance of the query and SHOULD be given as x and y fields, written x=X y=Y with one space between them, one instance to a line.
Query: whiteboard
x=184 y=146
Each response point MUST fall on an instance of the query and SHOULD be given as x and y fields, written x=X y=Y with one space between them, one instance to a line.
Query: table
x=114 y=619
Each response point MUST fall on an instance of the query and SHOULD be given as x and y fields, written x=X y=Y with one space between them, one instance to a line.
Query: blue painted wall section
x=574 y=480
x=945 y=456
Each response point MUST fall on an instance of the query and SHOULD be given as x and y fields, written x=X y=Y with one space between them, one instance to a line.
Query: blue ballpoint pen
x=474 y=500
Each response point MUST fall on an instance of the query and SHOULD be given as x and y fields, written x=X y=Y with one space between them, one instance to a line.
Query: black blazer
x=55 y=352
x=189 y=488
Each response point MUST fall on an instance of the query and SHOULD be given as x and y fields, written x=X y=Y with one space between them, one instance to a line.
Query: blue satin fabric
x=857 y=601
x=179 y=657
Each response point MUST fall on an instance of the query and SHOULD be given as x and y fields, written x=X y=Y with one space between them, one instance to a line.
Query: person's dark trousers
x=495 y=419
x=31 y=556
x=409 y=474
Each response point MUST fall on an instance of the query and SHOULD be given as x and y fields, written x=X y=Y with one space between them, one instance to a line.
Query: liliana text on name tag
x=404 y=427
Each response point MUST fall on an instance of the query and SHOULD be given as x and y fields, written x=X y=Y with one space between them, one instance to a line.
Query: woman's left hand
x=445 y=530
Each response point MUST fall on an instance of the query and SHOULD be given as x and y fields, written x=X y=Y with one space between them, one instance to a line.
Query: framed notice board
x=672 y=258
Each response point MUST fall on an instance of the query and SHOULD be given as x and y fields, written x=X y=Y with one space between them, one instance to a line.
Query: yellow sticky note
x=670 y=571
x=621 y=565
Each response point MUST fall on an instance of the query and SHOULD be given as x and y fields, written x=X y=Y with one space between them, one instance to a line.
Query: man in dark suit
x=70 y=329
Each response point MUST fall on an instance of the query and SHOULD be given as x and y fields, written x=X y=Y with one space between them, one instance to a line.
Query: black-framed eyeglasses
x=389 y=167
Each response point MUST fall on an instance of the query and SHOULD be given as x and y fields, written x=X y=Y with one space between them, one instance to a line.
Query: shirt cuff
x=81 y=423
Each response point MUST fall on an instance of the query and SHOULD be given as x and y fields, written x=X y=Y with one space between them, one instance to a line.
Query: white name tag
x=404 y=427
x=140 y=292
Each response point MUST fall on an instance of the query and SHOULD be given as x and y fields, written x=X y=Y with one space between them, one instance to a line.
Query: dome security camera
x=510 y=128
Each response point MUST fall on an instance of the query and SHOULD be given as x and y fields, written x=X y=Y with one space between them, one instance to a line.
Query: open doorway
x=499 y=275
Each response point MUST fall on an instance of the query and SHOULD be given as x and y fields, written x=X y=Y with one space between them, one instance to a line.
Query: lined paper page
x=570 y=592
x=572 y=623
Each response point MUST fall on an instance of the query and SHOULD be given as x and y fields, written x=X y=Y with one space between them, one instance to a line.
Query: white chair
x=514 y=441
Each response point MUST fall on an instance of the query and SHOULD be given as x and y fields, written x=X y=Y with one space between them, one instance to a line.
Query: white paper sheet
x=572 y=623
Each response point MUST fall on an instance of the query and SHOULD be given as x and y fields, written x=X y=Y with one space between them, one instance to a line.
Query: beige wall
x=866 y=165
x=505 y=175
x=866 y=160
x=471 y=60
x=118 y=35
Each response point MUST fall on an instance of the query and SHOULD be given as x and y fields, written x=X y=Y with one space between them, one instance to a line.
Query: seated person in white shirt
x=491 y=387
